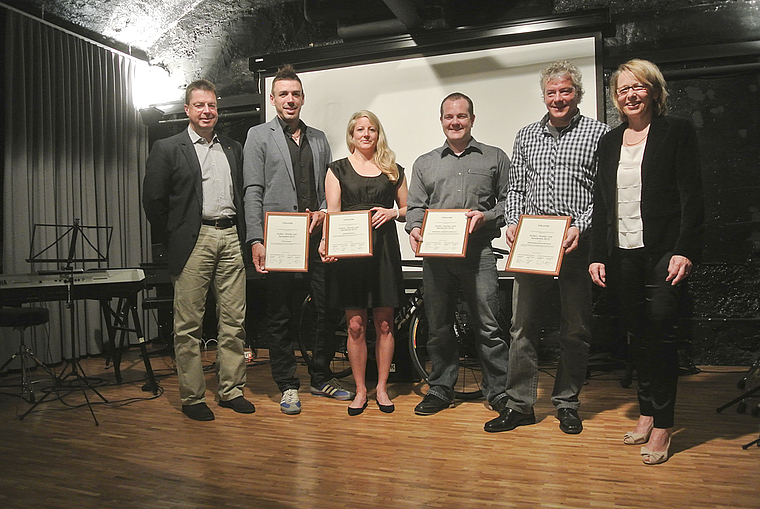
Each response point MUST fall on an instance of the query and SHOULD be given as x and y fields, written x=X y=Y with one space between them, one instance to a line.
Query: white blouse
x=630 y=226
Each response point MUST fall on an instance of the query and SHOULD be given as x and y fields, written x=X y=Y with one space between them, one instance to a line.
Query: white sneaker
x=289 y=403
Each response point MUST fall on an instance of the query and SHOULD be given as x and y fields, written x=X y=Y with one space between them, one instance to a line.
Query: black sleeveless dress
x=360 y=283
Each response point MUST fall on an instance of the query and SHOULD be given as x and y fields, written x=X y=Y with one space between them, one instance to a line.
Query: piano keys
x=16 y=289
x=102 y=285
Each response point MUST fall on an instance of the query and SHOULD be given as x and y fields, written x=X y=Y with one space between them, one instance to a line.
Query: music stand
x=87 y=252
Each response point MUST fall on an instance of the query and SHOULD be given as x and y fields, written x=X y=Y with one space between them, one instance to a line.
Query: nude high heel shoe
x=633 y=438
x=654 y=457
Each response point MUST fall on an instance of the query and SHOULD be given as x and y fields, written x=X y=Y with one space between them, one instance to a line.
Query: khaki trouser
x=216 y=262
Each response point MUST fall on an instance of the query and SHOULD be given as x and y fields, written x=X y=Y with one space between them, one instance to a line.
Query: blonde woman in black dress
x=369 y=179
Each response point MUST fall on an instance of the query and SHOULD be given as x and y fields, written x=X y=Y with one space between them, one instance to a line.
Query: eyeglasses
x=636 y=87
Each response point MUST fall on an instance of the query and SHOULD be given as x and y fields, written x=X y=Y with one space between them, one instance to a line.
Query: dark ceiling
x=214 y=38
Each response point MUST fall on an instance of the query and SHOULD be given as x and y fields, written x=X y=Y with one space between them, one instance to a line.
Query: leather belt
x=220 y=224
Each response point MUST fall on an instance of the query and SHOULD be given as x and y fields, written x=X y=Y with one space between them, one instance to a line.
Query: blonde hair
x=648 y=74
x=384 y=157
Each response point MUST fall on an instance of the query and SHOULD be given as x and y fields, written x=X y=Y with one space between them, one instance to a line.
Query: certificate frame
x=348 y=234
x=286 y=241
x=537 y=248
x=445 y=233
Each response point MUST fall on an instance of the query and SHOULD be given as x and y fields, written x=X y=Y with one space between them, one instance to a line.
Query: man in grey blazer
x=284 y=168
x=192 y=198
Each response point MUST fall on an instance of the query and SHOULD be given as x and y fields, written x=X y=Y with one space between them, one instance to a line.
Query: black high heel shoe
x=356 y=411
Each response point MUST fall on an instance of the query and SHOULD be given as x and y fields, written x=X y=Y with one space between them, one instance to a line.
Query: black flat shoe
x=387 y=409
x=508 y=420
x=356 y=411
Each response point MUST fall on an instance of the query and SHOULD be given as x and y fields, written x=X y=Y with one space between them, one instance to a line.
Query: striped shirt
x=554 y=175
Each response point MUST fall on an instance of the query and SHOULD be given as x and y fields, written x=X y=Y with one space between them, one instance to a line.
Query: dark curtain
x=74 y=148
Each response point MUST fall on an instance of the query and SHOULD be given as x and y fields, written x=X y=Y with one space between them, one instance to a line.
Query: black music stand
x=87 y=252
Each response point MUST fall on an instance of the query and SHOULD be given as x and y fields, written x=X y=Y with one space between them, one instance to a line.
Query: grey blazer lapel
x=321 y=155
x=282 y=144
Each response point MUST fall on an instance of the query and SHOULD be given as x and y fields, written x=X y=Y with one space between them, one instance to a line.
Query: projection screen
x=406 y=95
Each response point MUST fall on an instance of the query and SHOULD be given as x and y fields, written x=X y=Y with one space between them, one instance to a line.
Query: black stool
x=20 y=319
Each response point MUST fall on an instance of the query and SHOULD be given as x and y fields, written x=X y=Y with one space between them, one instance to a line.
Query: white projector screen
x=406 y=95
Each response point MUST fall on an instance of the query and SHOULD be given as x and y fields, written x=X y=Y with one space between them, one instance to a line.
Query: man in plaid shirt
x=552 y=173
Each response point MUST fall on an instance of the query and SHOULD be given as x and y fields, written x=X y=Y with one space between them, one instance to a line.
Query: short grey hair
x=563 y=69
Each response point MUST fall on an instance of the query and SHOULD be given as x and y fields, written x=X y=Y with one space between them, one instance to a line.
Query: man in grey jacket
x=284 y=166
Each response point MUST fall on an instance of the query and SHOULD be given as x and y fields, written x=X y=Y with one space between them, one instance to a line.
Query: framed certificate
x=286 y=240
x=538 y=245
x=444 y=233
x=348 y=234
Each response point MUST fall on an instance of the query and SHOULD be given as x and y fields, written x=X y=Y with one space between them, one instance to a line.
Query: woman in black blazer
x=646 y=236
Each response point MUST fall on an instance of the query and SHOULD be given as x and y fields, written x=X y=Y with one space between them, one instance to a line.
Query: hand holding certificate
x=348 y=234
x=286 y=239
x=444 y=233
x=537 y=247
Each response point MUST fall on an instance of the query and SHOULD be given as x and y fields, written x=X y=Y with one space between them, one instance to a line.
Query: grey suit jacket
x=173 y=194
x=268 y=180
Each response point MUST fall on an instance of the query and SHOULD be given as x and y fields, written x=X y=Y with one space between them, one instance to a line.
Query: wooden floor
x=146 y=454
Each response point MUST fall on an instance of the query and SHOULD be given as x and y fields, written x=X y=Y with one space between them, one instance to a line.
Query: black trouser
x=281 y=309
x=649 y=306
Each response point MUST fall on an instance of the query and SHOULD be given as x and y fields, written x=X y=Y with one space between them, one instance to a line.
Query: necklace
x=630 y=139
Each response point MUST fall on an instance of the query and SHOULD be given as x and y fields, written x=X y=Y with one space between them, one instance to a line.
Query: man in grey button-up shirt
x=462 y=174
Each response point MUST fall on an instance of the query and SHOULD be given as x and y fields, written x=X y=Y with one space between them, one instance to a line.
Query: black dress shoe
x=569 y=422
x=386 y=409
x=239 y=404
x=356 y=411
x=198 y=412
x=431 y=404
x=508 y=420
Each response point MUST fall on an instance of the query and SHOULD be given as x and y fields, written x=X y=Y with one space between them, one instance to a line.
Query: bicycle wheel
x=307 y=336
x=468 y=385
x=468 y=379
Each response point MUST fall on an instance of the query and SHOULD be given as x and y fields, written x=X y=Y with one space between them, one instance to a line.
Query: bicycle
x=411 y=318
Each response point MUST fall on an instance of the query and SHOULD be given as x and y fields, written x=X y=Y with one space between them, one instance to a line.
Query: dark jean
x=528 y=302
x=649 y=307
x=476 y=276
x=281 y=291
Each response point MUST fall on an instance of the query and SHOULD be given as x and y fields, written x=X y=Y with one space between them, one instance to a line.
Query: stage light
x=154 y=85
